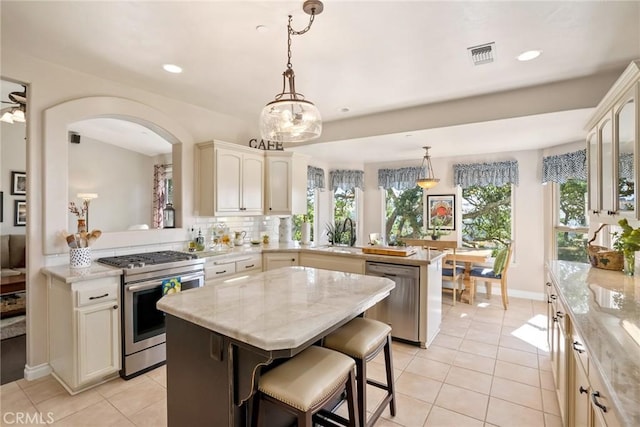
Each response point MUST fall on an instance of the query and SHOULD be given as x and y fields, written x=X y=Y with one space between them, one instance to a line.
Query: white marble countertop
x=278 y=309
x=604 y=308
x=72 y=275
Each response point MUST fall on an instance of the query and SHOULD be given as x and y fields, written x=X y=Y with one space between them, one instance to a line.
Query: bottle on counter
x=200 y=241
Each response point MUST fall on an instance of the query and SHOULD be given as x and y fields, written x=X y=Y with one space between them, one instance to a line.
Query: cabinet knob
x=560 y=314
x=293 y=260
x=115 y=307
x=270 y=209
x=583 y=390
x=578 y=347
x=553 y=296
x=548 y=284
x=594 y=397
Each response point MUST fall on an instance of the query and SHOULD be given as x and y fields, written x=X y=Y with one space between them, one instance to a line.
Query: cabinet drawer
x=96 y=294
x=249 y=264
x=220 y=270
x=601 y=401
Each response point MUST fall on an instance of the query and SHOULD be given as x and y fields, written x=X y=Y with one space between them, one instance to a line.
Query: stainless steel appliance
x=143 y=325
x=401 y=309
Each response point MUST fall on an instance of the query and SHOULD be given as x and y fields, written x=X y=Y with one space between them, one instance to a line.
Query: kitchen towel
x=171 y=286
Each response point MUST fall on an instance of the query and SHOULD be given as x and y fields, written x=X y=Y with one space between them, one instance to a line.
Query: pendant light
x=428 y=180
x=290 y=117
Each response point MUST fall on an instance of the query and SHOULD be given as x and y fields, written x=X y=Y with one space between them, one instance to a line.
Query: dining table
x=469 y=256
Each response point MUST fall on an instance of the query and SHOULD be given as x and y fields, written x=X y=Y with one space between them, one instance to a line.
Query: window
x=168 y=185
x=571 y=220
x=299 y=219
x=404 y=213
x=486 y=216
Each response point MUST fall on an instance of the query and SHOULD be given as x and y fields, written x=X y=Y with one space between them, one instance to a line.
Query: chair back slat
x=432 y=244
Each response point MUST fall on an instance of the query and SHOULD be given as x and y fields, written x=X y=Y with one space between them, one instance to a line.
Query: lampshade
x=291 y=118
x=7 y=117
x=18 y=115
x=428 y=180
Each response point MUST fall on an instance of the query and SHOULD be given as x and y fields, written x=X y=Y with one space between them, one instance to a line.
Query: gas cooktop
x=147 y=258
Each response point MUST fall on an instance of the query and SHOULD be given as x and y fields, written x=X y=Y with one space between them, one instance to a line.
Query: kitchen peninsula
x=220 y=336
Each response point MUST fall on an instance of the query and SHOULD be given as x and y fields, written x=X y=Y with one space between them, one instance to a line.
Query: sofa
x=13 y=254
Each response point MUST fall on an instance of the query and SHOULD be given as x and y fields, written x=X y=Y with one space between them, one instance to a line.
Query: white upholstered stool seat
x=363 y=339
x=305 y=383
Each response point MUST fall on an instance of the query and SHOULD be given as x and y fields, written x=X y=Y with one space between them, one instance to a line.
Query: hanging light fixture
x=429 y=180
x=290 y=117
x=15 y=112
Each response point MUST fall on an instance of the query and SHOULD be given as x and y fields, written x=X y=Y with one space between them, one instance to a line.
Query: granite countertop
x=604 y=308
x=278 y=309
x=72 y=275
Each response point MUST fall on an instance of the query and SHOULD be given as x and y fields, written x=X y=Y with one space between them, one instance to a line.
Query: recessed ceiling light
x=345 y=110
x=262 y=28
x=529 y=55
x=171 y=68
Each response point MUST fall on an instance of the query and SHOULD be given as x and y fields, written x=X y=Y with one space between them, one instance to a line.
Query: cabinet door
x=252 y=184
x=605 y=132
x=228 y=181
x=273 y=261
x=580 y=394
x=625 y=144
x=279 y=186
x=593 y=183
x=98 y=343
x=560 y=359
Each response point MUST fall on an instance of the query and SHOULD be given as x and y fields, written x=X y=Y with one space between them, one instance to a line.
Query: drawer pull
x=548 y=284
x=594 y=397
x=553 y=297
x=221 y=272
x=249 y=266
x=560 y=314
x=101 y=296
x=578 y=347
x=583 y=390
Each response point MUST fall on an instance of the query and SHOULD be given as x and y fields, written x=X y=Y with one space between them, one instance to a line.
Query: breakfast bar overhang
x=220 y=336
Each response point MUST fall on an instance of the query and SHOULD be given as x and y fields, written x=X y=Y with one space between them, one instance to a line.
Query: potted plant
x=628 y=242
x=436 y=231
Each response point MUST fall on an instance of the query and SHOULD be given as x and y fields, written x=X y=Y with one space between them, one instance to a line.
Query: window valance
x=400 y=179
x=315 y=178
x=563 y=167
x=346 y=179
x=498 y=173
x=625 y=166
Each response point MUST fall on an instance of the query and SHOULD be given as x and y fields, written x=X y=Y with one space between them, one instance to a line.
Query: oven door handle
x=156 y=283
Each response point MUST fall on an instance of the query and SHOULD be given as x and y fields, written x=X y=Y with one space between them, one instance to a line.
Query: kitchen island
x=220 y=337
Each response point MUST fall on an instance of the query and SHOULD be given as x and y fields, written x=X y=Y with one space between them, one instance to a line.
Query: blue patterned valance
x=498 y=174
x=315 y=178
x=625 y=166
x=346 y=179
x=400 y=179
x=563 y=167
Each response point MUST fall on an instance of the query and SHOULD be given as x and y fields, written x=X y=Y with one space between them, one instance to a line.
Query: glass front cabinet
x=613 y=149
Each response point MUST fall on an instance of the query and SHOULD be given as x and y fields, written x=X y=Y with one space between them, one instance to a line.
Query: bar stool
x=363 y=339
x=305 y=383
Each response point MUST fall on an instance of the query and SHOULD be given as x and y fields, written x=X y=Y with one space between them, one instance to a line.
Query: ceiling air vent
x=482 y=54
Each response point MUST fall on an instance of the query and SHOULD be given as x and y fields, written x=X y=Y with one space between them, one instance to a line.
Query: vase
x=82 y=225
x=435 y=237
x=629 y=262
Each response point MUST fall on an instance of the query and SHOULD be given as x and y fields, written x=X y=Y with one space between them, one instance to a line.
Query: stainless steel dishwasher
x=401 y=309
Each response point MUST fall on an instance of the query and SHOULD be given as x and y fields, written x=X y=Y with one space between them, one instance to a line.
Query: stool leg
x=352 y=401
x=361 y=374
x=390 y=380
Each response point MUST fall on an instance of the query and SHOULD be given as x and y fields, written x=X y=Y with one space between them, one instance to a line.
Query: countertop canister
x=284 y=230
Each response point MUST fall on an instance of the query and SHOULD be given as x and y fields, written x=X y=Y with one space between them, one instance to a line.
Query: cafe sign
x=266 y=145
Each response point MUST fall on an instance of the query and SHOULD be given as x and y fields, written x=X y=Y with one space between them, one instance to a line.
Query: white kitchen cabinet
x=286 y=183
x=229 y=179
x=346 y=264
x=84 y=331
x=227 y=268
x=273 y=260
x=613 y=146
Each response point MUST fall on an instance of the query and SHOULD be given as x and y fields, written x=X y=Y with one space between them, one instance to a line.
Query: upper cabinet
x=235 y=180
x=286 y=183
x=229 y=180
x=613 y=146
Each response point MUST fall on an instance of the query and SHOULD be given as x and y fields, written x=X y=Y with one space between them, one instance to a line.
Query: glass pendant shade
x=428 y=180
x=290 y=120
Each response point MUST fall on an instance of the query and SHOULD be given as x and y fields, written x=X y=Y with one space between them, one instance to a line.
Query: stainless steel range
x=143 y=325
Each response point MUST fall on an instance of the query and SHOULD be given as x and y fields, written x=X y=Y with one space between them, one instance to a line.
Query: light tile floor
x=487 y=367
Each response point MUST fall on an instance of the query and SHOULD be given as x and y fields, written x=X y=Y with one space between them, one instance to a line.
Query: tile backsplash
x=254 y=226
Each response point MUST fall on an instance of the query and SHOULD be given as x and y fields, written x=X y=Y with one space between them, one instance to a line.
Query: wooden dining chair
x=451 y=272
x=495 y=274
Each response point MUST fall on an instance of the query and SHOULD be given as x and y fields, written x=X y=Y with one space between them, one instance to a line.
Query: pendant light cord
x=292 y=32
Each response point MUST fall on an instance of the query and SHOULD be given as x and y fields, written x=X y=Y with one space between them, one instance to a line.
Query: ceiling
x=368 y=57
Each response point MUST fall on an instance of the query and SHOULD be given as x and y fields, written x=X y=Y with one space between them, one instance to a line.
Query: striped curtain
x=159 y=197
x=315 y=178
x=562 y=167
x=498 y=174
x=400 y=179
x=346 y=179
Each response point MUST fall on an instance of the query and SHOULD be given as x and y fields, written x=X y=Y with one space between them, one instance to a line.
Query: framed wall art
x=441 y=211
x=18 y=183
x=20 y=213
x=1 y=206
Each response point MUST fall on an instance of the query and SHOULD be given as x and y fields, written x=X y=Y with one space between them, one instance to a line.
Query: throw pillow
x=498 y=264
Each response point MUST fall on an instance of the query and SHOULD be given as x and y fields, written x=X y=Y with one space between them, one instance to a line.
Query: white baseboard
x=34 y=372
x=495 y=290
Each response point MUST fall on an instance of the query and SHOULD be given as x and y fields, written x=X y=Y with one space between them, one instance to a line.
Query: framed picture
x=1 y=206
x=441 y=211
x=20 y=213
x=18 y=183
